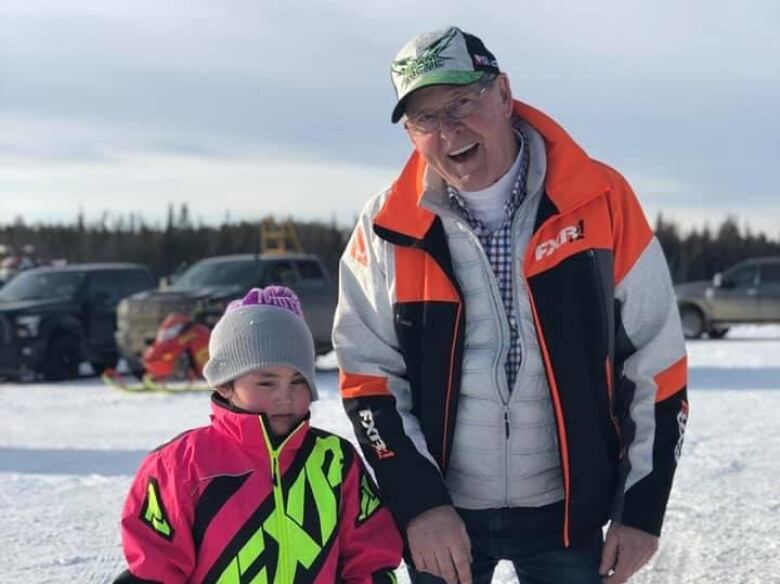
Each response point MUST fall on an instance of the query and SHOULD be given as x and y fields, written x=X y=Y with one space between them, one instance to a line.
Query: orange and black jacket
x=604 y=314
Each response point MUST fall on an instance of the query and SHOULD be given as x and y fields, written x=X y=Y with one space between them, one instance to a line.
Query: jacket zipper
x=281 y=528
x=276 y=482
x=497 y=368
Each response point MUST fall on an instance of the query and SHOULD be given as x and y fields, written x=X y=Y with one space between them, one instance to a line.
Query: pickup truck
x=206 y=288
x=54 y=318
x=748 y=292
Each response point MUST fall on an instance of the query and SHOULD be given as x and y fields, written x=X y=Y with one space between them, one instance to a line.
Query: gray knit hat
x=264 y=328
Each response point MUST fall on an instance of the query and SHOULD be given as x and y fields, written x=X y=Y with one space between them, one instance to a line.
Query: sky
x=247 y=108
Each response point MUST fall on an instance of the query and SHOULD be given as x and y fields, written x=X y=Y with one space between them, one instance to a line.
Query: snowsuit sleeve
x=369 y=541
x=376 y=393
x=156 y=526
x=651 y=403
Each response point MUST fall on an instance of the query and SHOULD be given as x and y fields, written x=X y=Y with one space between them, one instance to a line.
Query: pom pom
x=279 y=296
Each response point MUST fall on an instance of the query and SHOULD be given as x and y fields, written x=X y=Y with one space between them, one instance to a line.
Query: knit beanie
x=262 y=329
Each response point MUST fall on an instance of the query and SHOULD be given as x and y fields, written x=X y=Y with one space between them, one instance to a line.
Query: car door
x=769 y=291
x=100 y=299
x=736 y=299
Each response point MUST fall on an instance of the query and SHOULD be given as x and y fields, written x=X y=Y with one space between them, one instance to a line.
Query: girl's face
x=278 y=391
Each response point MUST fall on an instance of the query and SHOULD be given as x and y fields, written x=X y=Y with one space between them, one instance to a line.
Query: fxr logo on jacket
x=379 y=446
x=566 y=235
x=682 y=422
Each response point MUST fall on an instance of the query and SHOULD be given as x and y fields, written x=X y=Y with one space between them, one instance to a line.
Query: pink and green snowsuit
x=226 y=504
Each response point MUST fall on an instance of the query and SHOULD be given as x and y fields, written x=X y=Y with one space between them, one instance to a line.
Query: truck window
x=103 y=289
x=741 y=277
x=281 y=273
x=132 y=281
x=770 y=274
x=243 y=273
x=38 y=285
x=310 y=272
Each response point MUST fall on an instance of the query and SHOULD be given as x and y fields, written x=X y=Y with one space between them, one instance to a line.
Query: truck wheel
x=692 y=322
x=717 y=333
x=63 y=358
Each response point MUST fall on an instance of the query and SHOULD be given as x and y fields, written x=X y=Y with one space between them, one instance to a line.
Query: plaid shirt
x=498 y=248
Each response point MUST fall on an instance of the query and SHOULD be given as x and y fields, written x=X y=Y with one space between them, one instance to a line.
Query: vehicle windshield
x=42 y=286
x=242 y=273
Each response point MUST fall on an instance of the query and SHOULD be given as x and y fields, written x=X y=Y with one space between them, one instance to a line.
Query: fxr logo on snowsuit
x=302 y=533
x=379 y=446
x=566 y=235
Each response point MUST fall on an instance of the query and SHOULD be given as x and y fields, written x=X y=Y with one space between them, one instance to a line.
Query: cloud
x=681 y=91
x=246 y=188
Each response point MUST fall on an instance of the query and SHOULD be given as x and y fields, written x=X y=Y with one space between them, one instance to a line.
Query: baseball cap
x=446 y=56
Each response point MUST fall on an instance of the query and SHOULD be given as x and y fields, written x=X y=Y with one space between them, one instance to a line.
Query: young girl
x=258 y=496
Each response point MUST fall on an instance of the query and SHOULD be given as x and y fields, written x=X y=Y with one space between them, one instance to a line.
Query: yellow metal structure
x=279 y=237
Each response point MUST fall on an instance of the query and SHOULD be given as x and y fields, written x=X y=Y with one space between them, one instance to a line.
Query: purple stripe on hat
x=279 y=296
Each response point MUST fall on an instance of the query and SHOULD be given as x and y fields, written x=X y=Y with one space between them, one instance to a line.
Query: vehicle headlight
x=27 y=325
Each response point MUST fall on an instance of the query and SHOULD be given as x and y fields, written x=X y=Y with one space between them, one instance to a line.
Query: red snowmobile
x=180 y=349
x=179 y=352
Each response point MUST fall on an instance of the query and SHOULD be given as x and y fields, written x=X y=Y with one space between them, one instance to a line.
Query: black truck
x=54 y=318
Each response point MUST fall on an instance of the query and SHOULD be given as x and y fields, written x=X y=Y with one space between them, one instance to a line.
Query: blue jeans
x=502 y=534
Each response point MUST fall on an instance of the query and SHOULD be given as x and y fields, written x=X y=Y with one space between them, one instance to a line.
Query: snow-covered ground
x=68 y=452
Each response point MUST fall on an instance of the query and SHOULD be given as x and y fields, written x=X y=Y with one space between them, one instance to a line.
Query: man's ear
x=505 y=92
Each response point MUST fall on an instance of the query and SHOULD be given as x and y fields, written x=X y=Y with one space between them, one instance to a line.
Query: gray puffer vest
x=505 y=451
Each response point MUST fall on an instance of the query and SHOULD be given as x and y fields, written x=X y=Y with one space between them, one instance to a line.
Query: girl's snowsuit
x=227 y=503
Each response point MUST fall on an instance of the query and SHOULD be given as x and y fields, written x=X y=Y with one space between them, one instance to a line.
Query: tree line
x=700 y=253
x=169 y=248
x=165 y=249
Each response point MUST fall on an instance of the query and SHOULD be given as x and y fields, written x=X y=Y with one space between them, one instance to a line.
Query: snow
x=68 y=452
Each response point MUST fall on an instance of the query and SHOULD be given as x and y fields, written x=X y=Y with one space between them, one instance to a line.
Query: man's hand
x=440 y=545
x=626 y=549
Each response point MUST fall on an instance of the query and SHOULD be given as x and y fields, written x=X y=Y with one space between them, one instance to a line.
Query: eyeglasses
x=457 y=109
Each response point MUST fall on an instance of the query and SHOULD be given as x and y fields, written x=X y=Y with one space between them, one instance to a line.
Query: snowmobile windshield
x=42 y=286
x=241 y=273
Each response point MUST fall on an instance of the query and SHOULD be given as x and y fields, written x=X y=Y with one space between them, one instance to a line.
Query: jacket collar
x=572 y=179
x=250 y=429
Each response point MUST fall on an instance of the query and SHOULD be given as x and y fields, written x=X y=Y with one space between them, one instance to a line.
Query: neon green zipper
x=276 y=482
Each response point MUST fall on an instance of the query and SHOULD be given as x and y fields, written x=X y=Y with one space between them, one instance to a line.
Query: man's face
x=470 y=153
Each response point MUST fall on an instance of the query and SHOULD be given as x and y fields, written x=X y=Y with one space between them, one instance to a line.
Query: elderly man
x=510 y=349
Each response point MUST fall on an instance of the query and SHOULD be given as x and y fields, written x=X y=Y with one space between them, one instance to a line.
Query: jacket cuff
x=643 y=511
x=418 y=498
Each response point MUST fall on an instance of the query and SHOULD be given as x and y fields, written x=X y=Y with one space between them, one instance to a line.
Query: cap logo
x=429 y=59
x=485 y=61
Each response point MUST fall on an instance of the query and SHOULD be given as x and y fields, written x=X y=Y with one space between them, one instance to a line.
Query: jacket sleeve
x=651 y=401
x=156 y=526
x=376 y=394
x=370 y=544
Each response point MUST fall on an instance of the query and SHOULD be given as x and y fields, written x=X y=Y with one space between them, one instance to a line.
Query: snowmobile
x=174 y=362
